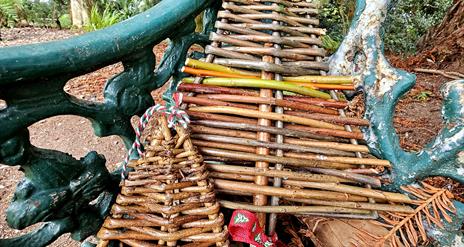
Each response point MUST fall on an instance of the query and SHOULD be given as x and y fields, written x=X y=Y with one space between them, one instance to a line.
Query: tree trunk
x=446 y=40
x=79 y=13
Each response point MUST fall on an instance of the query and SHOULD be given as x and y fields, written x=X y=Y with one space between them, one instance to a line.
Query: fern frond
x=434 y=206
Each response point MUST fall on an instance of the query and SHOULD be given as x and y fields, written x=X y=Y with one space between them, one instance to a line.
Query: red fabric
x=244 y=227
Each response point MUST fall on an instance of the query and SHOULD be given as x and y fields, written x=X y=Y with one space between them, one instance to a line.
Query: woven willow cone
x=167 y=200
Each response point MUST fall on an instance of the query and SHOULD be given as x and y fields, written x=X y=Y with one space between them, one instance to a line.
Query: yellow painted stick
x=216 y=67
x=270 y=84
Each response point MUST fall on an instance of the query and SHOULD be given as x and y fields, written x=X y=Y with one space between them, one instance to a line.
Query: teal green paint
x=443 y=156
x=57 y=188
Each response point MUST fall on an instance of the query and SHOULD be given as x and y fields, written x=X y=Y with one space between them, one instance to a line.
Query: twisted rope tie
x=174 y=116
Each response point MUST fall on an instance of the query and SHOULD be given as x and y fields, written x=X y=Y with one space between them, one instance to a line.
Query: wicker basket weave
x=167 y=200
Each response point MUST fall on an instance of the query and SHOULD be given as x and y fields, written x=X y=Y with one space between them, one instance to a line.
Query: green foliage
x=99 y=20
x=10 y=12
x=330 y=44
x=106 y=13
x=423 y=95
x=32 y=12
x=406 y=22
x=65 y=21
x=335 y=16
x=126 y=8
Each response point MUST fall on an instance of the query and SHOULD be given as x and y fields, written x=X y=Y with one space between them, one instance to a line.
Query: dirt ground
x=417 y=120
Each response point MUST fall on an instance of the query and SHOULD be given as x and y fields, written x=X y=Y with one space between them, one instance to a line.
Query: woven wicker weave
x=167 y=200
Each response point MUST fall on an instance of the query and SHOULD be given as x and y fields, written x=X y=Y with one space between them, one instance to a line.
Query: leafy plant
x=106 y=18
x=65 y=21
x=406 y=21
x=423 y=95
x=330 y=44
x=9 y=12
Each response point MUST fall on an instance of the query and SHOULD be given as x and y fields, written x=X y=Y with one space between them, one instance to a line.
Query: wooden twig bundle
x=167 y=200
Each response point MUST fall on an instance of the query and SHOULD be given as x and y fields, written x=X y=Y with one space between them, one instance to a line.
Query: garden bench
x=32 y=78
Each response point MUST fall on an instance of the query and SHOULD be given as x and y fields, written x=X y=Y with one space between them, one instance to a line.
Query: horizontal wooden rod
x=358 y=205
x=354 y=205
x=298 y=31
x=301 y=42
x=267 y=115
x=201 y=88
x=270 y=101
x=222 y=118
x=223 y=145
x=330 y=145
x=264 y=84
x=297 y=162
x=218 y=126
x=290 y=209
x=265 y=66
x=212 y=102
x=355 y=178
x=290 y=175
x=316 y=101
x=285 y=192
x=329 y=132
x=271 y=145
x=347 y=160
x=353 y=190
x=307 y=100
x=330 y=119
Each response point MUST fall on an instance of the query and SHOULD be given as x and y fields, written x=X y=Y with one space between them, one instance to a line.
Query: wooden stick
x=283 y=53
x=260 y=199
x=270 y=145
x=290 y=209
x=353 y=190
x=292 y=20
x=330 y=119
x=271 y=101
x=223 y=118
x=348 y=175
x=316 y=101
x=257 y=65
x=200 y=88
x=299 y=176
x=301 y=42
x=215 y=67
x=330 y=145
x=265 y=84
x=297 y=31
x=209 y=102
x=202 y=72
x=197 y=128
x=241 y=177
x=297 y=162
x=229 y=54
x=321 y=79
x=232 y=41
x=307 y=100
x=346 y=160
x=251 y=127
x=284 y=192
x=267 y=115
x=329 y=132
x=227 y=146
x=358 y=205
